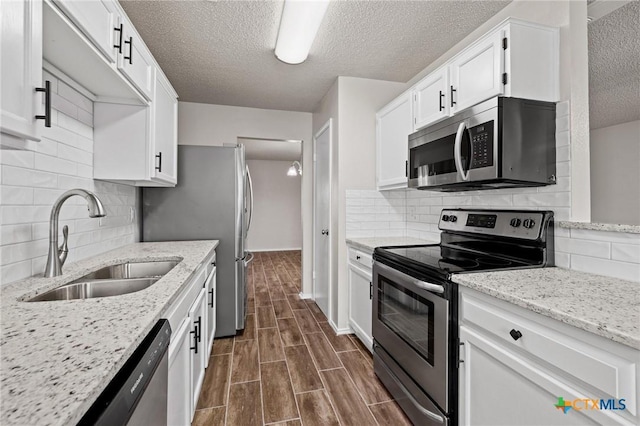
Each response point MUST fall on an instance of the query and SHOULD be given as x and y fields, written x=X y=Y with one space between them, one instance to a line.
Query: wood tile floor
x=288 y=367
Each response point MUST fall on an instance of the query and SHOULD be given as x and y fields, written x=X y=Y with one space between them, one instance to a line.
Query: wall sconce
x=295 y=169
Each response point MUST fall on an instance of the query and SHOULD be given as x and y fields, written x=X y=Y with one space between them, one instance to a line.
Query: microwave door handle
x=457 y=151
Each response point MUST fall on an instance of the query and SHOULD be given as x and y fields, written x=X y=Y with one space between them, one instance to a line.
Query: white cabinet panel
x=394 y=123
x=21 y=68
x=360 y=309
x=99 y=21
x=211 y=312
x=165 y=131
x=476 y=74
x=431 y=98
x=197 y=319
x=179 y=390
x=136 y=63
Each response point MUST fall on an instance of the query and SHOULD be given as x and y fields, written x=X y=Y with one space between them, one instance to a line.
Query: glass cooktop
x=448 y=259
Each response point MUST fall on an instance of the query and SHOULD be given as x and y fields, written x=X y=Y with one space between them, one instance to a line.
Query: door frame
x=328 y=126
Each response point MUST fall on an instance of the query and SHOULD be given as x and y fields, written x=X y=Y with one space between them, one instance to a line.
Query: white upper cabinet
x=476 y=74
x=98 y=20
x=430 y=100
x=135 y=62
x=147 y=134
x=393 y=125
x=21 y=44
x=165 y=131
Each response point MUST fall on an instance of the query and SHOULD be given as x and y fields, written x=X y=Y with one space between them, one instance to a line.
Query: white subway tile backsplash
x=625 y=252
x=613 y=237
x=32 y=180
x=611 y=268
x=599 y=249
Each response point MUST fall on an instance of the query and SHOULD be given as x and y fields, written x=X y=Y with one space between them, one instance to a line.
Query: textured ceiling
x=267 y=149
x=221 y=52
x=614 y=67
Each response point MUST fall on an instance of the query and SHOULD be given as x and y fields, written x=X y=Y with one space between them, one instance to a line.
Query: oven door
x=411 y=323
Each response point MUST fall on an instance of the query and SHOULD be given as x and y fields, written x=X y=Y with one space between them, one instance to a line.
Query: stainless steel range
x=415 y=303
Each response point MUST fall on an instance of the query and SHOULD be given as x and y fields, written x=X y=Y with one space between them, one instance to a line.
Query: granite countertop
x=370 y=243
x=611 y=227
x=57 y=357
x=607 y=307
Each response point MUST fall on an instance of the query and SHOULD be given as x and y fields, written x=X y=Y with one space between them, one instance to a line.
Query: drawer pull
x=357 y=257
x=515 y=334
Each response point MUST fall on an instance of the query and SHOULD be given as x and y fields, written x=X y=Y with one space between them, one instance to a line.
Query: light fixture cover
x=295 y=169
x=298 y=27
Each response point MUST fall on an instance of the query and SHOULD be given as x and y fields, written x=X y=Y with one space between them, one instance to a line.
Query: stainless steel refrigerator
x=212 y=200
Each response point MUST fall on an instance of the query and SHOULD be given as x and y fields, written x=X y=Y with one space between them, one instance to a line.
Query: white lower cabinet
x=197 y=318
x=179 y=398
x=360 y=295
x=192 y=320
x=515 y=365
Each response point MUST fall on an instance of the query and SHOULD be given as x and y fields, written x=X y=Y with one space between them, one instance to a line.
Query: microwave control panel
x=481 y=145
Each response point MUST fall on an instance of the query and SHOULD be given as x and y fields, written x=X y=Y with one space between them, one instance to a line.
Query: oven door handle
x=407 y=393
x=435 y=288
x=457 y=151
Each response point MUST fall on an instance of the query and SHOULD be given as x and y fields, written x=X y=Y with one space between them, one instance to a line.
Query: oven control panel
x=504 y=223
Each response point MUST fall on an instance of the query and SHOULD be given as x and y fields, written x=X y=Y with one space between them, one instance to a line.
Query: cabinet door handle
x=47 y=103
x=515 y=334
x=452 y=92
x=370 y=290
x=159 y=166
x=119 y=45
x=211 y=300
x=130 y=57
x=199 y=328
x=357 y=257
x=440 y=99
x=195 y=341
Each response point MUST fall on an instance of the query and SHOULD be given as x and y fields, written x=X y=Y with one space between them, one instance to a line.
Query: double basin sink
x=112 y=280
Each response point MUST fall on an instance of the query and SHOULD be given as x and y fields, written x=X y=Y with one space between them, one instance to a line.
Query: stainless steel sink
x=96 y=288
x=112 y=280
x=131 y=270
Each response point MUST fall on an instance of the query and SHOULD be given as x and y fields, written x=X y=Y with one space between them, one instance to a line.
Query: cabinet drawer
x=210 y=264
x=550 y=342
x=180 y=307
x=360 y=258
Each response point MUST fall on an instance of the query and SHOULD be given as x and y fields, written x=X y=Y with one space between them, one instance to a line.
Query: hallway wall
x=277 y=216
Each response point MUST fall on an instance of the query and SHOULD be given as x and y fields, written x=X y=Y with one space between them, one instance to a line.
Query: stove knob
x=445 y=218
x=515 y=222
x=453 y=218
x=528 y=223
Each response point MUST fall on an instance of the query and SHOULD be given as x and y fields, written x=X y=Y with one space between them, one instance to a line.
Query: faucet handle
x=63 y=250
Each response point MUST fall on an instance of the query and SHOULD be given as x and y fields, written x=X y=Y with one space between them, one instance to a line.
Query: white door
x=322 y=217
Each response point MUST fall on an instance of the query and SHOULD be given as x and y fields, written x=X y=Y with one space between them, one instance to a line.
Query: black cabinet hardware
x=198 y=324
x=452 y=92
x=440 y=103
x=130 y=57
x=357 y=257
x=211 y=300
x=159 y=166
x=504 y=78
x=47 y=103
x=406 y=168
x=370 y=290
x=515 y=334
x=194 y=348
x=119 y=45
x=504 y=43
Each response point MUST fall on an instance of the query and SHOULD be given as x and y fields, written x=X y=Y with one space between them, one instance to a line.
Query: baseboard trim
x=305 y=295
x=340 y=331
x=274 y=249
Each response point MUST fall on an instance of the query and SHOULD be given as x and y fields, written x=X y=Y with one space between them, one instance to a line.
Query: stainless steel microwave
x=500 y=143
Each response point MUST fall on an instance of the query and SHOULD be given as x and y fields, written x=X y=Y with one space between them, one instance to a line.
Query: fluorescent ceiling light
x=298 y=27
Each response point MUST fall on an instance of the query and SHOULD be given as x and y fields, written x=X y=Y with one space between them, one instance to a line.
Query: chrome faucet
x=58 y=255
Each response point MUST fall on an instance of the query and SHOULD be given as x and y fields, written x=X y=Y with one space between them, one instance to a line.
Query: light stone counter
x=610 y=227
x=369 y=244
x=607 y=307
x=57 y=357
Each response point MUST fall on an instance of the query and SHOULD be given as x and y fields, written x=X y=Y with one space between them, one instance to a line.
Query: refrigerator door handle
x=250 y=199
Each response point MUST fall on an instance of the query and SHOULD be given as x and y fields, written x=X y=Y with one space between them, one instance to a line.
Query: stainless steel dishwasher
x=137 y=395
